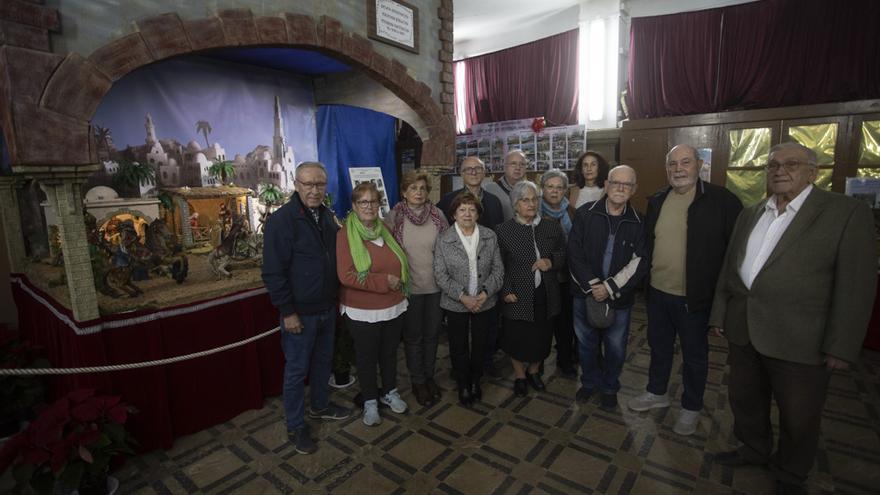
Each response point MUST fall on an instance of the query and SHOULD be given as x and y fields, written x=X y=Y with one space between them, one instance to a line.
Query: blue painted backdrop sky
x=238 y=101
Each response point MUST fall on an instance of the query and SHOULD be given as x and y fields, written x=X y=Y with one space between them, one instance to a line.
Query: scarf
x=403 y=211
x=561 y=214
x=470 y=247
x=357 y=233
x=534 y=223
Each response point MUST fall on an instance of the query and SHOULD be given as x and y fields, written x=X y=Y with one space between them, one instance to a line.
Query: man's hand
x=600 y=293
x=542 y=264
x=292 y=323
x=832 y=363
x=719 y=332
x=510 y=298
x=393 y=282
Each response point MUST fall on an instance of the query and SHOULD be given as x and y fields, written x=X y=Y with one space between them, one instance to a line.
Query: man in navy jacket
x=606 y=259
x=299 y=270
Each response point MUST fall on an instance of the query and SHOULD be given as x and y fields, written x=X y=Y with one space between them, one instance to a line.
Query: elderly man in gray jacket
x=469 y=272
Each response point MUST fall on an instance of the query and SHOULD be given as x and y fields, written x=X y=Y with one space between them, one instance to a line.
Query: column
x=10 y=215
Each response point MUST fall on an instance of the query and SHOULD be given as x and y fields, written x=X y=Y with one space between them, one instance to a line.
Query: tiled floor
x=544 y=443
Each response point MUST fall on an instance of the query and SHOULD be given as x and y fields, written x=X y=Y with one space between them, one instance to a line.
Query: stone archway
x=74 y=87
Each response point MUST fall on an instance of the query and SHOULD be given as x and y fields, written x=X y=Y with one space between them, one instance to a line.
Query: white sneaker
x=648 y=401
x=392 y=399
x=371 y=413
x=686 y=424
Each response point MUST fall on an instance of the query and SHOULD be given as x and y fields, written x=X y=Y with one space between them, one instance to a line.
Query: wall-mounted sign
x=394 y=22
x=374 y=175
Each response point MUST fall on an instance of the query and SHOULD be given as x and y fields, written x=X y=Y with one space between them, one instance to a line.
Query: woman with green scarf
x=374 y=278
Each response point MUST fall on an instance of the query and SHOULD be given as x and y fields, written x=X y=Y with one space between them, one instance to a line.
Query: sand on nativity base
x=159 y=292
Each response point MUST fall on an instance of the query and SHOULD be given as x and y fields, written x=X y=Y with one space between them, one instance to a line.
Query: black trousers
x=467 y=360
x=799 y=390
x=564 y=328
x=376 y=343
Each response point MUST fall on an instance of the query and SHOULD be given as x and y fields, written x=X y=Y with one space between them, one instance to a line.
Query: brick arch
x=78 y=84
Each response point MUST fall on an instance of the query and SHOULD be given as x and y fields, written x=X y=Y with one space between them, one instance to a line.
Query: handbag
x=599 y=314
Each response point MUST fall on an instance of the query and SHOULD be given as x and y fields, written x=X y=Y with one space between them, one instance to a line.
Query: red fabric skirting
x=175 y=399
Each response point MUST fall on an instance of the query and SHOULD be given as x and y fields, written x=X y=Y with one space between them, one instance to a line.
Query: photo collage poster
x=554 y=147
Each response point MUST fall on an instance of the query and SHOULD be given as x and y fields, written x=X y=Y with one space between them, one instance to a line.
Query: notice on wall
x=553 y=147
x=864 y=188
x=705 y=154
x=360 y=175
x=394 y=22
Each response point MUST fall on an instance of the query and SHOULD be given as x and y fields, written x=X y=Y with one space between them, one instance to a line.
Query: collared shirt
x=766 y=235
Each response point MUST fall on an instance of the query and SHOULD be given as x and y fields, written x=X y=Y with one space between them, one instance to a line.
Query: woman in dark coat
x=533 y=250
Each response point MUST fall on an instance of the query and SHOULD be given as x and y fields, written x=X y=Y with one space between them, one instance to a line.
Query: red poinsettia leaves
x=109 y=401
x=118 y=414
x=538 y=124
x=81 y=394
x=86 y=412
x=10 y=449
x=86 y=455
x=60 y=454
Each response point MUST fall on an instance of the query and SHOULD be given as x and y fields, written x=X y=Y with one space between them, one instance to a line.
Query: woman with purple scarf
x=415 y=223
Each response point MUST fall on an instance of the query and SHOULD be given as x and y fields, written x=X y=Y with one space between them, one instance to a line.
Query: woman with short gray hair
x=533 y=250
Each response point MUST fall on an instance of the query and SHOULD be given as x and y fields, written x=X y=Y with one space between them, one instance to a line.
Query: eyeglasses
x=789 y=166
x=364 y=203
x=472 y=170
x=517 y=164
x=554 y=188
x=626 y=186
x=529 y=200
x=312 y=185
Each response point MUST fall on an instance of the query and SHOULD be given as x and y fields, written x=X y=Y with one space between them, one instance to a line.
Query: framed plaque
x=393 y=22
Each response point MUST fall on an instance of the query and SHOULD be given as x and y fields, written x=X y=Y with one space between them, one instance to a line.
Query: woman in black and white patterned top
x=533 y=250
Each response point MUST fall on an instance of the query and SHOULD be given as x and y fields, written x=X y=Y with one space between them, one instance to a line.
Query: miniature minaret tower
x=279 y=146
x=151 y=131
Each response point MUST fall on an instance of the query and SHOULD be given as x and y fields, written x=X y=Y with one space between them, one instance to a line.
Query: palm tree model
x=204 y=127
x=222 y=170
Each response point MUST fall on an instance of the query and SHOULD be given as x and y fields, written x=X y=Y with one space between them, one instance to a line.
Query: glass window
x=820 y=138
x=869 y=144
x=745 y=170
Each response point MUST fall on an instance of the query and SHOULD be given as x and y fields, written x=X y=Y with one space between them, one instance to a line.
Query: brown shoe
x=423 y=396
x=434 y=389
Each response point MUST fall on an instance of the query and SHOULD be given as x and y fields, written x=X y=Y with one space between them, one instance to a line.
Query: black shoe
x=434 y=389
x=423 y=396
x=608 y=401
x=583 y=394
x=783 y=488
x=520 y=388
x=734 y=459
x=536 y=382
x=476 y=391
x=302 y=442
x=567 y=370
x=464 y=396
x=332 y=411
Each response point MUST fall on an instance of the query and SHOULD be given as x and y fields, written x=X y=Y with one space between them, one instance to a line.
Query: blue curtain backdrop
x=355 y=137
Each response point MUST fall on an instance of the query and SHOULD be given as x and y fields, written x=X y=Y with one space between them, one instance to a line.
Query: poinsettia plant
x=19 y=394
x=70 y=443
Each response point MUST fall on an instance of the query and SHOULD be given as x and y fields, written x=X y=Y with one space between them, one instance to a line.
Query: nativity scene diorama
x=167 y=223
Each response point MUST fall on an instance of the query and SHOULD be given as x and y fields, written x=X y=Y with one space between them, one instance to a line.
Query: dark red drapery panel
x=795 y=52
x=175 y=399
x=772 y=53
x=531 y=80
x=672 y=65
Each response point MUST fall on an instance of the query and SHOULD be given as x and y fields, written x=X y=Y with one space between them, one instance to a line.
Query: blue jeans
x=668 y=316
x=308 y=353
x=607 y=376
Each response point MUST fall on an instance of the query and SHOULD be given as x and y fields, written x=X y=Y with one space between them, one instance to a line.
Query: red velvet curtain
x=531 y=80
x=757 y=55
x=673 y=64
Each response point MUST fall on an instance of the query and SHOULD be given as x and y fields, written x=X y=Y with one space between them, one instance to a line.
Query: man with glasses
x=687 y=228
x=515 y=163
x=793 y=300
x=606 y=261
x=473 y=171
x=299 y=270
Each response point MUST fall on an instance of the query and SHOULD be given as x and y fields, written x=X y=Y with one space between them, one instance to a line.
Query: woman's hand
x=470 y=302
x=393 y=282
x=481 y=299
x=542 y=264
x=510 y=298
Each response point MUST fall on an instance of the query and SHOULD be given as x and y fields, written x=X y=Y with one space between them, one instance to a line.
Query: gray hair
x=812 y=158
x=519 y=190
x=693 y=151
x=624 y=167
x=552 y=174
x=317 y=165
x=516 y=152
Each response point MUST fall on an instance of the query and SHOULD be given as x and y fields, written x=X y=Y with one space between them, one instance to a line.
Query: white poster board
x=374 y=175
